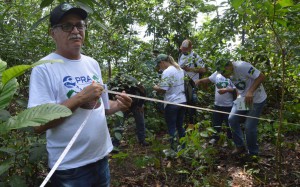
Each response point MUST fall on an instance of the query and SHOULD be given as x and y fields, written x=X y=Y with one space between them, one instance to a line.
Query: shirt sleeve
x=249 y=70
x=40 y=89
x=213 y=77
x=164 y=84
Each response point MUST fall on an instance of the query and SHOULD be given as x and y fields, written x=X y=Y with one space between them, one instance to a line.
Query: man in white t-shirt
x=248 y=81
x=76 y=84
x=224 y=96
x=194 y=68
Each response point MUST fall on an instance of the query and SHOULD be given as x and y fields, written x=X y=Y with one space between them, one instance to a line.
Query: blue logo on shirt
x=76 y=84
x=251 y=71
x=69 y=82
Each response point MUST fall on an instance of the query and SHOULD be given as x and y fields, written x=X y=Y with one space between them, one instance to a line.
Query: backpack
x=189 y=85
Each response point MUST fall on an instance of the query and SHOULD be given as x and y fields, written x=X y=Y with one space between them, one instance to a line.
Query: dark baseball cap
x=64 y=9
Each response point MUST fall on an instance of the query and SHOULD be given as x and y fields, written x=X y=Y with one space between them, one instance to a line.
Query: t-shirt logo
x=222 y=85
x=240 y=85
x=251 y=71
x=69 y=82
x=76 y=84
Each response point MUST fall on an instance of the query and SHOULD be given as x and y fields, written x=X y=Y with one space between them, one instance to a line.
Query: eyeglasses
x=68 y=27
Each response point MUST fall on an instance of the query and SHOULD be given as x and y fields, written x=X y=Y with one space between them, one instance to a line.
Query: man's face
x=69 y=33
x=227 y=72
x=186 y=50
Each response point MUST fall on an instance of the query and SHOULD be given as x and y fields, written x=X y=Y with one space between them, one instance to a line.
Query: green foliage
x=265 y=33
x=7 y=92
x=198 y=154
x=146 y=160
x=14 y=153
x=35 y=116
x=120 y=157
x=24 y=158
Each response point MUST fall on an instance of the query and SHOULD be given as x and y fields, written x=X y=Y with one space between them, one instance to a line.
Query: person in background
x=131 y=86
x=76 y=84
x=172 y=86
x=248 y=81
x=194 y=68
x=225 y=93
x=155 y=53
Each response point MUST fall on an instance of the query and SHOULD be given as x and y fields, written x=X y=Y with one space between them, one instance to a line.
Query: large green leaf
x=14 y=72
x=2 y=66
x=4 y=115
x=7 y=92
x=236 y=4
x=35 y=116
x=285 y=3
x=4 y=166
x=47 y=61
x=46 y=3
x=20 y=69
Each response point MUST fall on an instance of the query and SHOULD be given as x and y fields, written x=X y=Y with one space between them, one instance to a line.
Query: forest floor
x=135 y=165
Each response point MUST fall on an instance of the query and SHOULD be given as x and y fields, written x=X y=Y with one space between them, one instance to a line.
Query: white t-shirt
x=243 y=77
x=55 y=83
x=220 y=81
x=172 y=81
x=190 y=60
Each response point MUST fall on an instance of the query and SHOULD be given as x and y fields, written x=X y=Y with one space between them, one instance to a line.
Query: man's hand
x=186 y=68
x=222 y=91
x=123 y=102
x=156 y=88
x=90 y=96
x=249 y=99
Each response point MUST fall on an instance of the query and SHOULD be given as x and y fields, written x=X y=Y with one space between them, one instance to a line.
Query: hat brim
x=157 y=61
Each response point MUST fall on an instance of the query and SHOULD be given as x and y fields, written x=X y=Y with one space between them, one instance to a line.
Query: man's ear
x=51 y=32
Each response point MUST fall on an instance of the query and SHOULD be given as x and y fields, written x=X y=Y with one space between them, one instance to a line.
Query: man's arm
x=202 y=81
x=159 y=90
x=194 y=69
x=254 y=86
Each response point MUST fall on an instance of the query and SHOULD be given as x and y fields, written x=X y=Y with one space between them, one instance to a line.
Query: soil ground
x=129 y=167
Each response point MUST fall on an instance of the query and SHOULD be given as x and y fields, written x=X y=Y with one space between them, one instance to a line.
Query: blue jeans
x=92 y=175
x=250 y=127
x=174 y=116
x=140 y=123
x=219 y=118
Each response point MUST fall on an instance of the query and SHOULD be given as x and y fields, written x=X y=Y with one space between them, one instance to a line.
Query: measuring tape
x=189 y=106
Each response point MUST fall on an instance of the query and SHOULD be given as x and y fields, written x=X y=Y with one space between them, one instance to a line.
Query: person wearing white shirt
x=248 y=81
x=172 y=86
x=194 y=67
x=76 y=84
x=224 y=96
